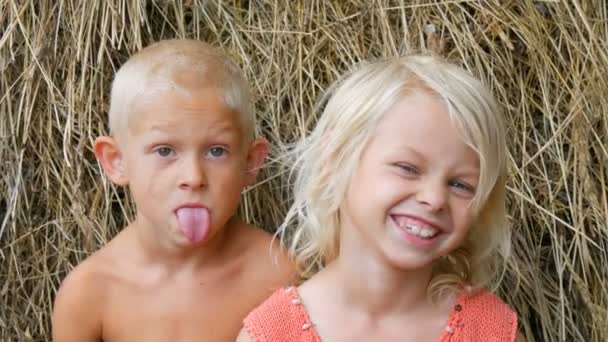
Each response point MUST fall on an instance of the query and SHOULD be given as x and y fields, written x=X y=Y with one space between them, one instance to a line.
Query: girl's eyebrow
x=468 y=173
x=411 y=150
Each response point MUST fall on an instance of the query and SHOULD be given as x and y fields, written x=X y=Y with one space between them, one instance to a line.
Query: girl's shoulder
x=481 y=316
x=282 y=317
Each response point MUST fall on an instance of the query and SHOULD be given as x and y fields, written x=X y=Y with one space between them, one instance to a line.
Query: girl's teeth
x=416 y=227
x=425 y=233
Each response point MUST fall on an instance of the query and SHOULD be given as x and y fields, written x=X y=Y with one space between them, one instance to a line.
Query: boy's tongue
x=194 y=223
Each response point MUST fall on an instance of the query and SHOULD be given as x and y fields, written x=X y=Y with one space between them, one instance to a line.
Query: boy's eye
x=164 y=151
x=216 y=152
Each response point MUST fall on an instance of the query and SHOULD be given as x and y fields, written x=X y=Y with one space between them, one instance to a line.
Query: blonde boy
x=186 y=268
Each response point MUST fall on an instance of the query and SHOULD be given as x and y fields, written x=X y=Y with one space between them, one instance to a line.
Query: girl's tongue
x=194 y=223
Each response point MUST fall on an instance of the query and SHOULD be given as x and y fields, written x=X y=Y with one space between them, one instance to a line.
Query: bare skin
x=128 y=292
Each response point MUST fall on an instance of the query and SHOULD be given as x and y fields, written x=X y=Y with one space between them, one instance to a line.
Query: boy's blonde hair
x=325 y=161
x=180 y=66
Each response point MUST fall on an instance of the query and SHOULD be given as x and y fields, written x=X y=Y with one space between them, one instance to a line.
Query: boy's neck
x=163 y=252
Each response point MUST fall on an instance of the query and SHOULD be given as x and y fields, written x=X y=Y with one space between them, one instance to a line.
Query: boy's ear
x=258 y=150
x=109 y=156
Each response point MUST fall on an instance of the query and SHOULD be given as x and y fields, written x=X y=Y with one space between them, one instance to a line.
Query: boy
x=186 y=268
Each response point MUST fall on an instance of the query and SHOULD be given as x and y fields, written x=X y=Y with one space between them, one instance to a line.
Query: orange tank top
x=478 y=317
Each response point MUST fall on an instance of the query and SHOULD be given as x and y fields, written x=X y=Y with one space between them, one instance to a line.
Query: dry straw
x=545 y=60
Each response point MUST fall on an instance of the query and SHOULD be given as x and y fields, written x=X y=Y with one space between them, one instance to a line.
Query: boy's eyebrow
x=159 y=128
x=219 y=128
x=157 y=125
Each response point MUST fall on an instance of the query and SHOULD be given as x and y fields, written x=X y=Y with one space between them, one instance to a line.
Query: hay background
x=546 y=61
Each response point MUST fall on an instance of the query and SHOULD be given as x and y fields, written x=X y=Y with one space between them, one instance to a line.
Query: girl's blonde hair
x=325 y=161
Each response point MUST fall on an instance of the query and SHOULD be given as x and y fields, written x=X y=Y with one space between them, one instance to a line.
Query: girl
x=398 y=221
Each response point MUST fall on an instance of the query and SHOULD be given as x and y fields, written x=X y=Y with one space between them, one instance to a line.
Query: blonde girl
x=398 y=221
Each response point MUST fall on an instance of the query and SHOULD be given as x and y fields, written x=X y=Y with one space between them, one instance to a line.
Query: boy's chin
x=182 y=240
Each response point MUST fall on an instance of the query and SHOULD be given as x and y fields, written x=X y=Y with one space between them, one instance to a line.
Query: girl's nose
x=432 y=194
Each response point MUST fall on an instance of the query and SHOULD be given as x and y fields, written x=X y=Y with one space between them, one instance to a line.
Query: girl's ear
x=255 y=159
x=111 y=159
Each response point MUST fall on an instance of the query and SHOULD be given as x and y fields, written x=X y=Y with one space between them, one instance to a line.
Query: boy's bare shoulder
x=80 y=299
x=90 y=275
x=93 y=275
x=268 y=258
x=262 y=243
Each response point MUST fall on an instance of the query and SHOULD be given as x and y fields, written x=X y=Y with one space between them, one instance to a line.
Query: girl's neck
x=366 y=280
x=377 y=288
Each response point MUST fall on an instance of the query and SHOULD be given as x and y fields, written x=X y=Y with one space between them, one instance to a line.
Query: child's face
x=409 y=197
x=186 y=163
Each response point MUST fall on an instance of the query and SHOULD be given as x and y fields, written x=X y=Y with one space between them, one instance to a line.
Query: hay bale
x=545 y=60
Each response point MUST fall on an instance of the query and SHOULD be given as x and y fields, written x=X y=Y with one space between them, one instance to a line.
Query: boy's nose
x=432 y=194
x=192 y=175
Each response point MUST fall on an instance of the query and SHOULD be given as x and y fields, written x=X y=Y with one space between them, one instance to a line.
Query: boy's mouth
x=194 y=222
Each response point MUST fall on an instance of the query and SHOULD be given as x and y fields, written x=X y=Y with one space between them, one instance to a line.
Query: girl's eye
x=164 y=151
x=408 y=168
x=216 y=152
x=462 y=187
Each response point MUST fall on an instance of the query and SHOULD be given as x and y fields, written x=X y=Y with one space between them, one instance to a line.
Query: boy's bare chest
x=177 y=313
